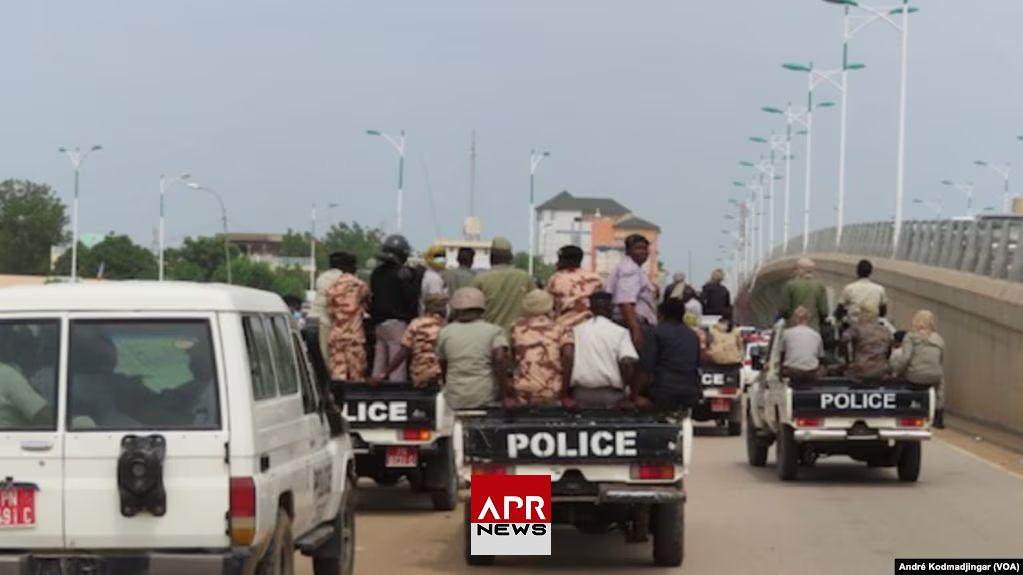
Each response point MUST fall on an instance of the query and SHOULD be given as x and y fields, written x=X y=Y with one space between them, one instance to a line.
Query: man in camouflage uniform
x=870 y=342
x=420 y=343
x=571 y=287
x=540 y=346
x=346 y=304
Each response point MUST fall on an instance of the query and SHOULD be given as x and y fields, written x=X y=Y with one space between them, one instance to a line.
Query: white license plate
x=402 y=456
x=17 y=508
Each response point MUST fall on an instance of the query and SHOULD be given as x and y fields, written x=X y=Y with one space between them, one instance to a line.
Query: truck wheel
x=909 y=461
x=279 y=558
x=787 y=454
x=669 y=521
x=470 y=559
x=446 y=498
x=756 y=451
x=344 y=531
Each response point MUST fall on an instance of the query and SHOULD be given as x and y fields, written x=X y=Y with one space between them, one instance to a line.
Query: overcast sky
x=648 y=102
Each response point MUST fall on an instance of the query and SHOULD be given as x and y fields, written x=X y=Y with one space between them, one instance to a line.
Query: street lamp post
x=223 y=222
x=312 y=246
x=77 y=156
x=967 y=189
x=534 y=161
x=791 y=117
x=937 y=206
x=165 y=182
x=399 y=146
x=1002 y=170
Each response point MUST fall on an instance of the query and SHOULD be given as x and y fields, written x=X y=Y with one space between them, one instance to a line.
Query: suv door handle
x=36 y=445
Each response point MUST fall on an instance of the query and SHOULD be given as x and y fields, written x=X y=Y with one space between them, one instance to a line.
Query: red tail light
x=416 y=434
x=656 y=471
x=748 y=362
x=911 y=422
x=243 y=510
x=489 y=469
x=808 y=422
x=729 y=391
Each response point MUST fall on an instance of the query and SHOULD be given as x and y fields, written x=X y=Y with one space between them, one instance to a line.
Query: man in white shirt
x=801 y=348
x=603 y=364
x=862 y=293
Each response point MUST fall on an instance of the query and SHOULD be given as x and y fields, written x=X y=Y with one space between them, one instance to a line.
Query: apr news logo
x=510 y=515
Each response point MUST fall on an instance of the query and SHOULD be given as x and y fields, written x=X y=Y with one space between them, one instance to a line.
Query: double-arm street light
x=223 y=222
x=775 y=143
x=792 y=116
x=535 y=158
x=814 y=78
x=77 y=156
x=1002 y=170
x=399 y=146
x=165 y=182
x=866 y=14
x=967 y=189
x=312 y=245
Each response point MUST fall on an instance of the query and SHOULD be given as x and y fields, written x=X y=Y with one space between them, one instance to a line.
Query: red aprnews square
x=510 y=515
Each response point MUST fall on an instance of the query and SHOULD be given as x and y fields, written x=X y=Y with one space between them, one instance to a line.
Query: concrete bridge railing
x=988 y=247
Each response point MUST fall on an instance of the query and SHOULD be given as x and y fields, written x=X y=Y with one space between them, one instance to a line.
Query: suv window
x=284 y=358
x=260 y=367
x=141 y=374
x=308 y=392
x=29 y=355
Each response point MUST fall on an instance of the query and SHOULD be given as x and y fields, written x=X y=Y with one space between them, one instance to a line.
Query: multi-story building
x=597 y=225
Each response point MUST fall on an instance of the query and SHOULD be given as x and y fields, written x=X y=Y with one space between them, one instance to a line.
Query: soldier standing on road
x=571 y=287
x=346 y=304
x=805 y=291
x=541 y=347
x=395 y=303
x=503 y=286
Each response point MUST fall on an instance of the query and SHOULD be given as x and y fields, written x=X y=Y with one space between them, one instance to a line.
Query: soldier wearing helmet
x=395 y=303
x=473 y=355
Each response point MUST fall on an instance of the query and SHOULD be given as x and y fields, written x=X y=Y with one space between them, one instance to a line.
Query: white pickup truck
x=879 y=423
x=165 y=428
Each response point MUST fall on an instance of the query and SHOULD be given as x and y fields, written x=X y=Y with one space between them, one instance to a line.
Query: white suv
x=164 y=428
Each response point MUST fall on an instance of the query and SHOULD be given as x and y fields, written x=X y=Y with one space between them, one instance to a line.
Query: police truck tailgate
x=850 y=400
x=542 y=435
x=389 y=405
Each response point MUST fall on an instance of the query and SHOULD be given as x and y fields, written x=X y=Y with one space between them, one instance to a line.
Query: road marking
x=979 y=457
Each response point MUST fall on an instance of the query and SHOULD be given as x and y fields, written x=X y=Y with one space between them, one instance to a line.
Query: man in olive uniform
x=805 y=291
x=503 y=286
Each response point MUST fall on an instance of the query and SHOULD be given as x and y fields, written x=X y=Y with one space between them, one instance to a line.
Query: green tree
x=32 y=219
x=295 y=245
x=363 y=242
x=198 y=259
x=246 y=272
x=541 y=271
x=117 y=256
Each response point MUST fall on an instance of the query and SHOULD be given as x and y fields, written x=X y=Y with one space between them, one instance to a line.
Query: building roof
x=633 y=222
x=567 y=202
x=143 y=296
x=250 y=237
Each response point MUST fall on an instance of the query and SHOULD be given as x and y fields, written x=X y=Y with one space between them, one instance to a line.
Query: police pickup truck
x=399 y=430
x=879 y=423
x=721 y=400
x=608 y=469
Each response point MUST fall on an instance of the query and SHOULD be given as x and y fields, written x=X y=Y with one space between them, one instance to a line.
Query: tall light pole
x=77 y=156
x=967 y=189
x=399 y=146
x=223 y=222
x=937 y=206
x=534 y=161
x=814 y=77
x=775 y=143
x=752 y=215
x=312 y=245
x=1002 y=170
x=165 y=182
x=791 y=117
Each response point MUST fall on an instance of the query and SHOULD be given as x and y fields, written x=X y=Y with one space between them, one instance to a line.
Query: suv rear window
x=29 y=354
x=141 y=374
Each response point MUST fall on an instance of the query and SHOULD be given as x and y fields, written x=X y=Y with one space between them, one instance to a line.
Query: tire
x=734 y=427
x=344 y=530
x=446 y=498
x=279 y=558
x=669 y=522
x=909 y=461
x=756 y=451
x=787 y=454
x=470 y=559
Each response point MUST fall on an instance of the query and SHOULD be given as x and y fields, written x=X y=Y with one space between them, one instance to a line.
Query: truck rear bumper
x=842 y=434
x=233 y=561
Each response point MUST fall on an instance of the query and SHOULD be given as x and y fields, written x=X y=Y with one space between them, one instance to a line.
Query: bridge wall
x=980 y=318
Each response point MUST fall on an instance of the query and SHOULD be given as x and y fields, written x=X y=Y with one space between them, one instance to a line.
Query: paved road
x=841 y=517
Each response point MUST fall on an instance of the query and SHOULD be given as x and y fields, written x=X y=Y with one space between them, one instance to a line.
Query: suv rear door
x=31 y=444
x=143 y=375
